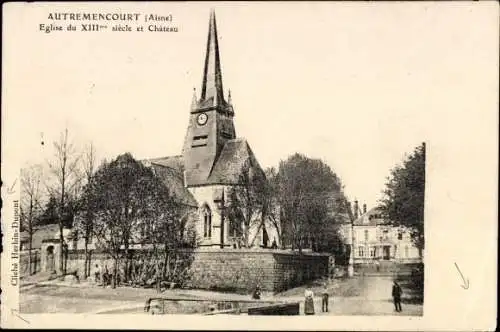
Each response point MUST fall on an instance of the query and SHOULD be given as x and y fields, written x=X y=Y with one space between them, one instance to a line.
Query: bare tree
x=86 y=218
x=31 y=203
x=271 y=208
x=246 y=204
x=64 y=168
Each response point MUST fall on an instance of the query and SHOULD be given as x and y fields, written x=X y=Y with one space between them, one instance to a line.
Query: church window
x=361 y=251
x=400 y=235
x=200 y=140
x=366 y=235
x=207 y=222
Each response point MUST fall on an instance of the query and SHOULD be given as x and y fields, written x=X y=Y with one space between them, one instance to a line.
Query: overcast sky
x=355 y=84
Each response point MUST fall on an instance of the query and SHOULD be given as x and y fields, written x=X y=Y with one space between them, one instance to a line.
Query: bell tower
x=210 y=119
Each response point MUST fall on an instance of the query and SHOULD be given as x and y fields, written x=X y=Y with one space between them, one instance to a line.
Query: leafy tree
x=49 y=214
x=131 y=205
x=403 y=201
x=305 y=189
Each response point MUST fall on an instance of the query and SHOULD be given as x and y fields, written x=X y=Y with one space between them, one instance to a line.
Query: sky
x=357 y=85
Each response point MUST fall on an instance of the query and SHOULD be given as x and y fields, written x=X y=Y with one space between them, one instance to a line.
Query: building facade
x=376 y=239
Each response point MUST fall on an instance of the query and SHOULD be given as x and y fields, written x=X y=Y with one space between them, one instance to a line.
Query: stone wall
x=241 y=270
x=292 y=269
x=235 y=270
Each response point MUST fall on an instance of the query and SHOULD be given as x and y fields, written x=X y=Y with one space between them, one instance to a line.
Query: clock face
x=202 y=119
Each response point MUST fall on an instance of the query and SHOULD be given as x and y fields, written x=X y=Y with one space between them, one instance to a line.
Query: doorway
x=50 y=266
x=387 y=252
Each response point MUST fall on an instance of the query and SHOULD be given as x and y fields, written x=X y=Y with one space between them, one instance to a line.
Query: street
x=373 y=298
x=369 y=295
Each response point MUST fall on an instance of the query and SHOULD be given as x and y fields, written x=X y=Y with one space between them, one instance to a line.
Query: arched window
x=207 y=221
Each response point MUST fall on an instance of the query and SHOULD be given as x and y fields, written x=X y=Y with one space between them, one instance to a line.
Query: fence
x=35 y=262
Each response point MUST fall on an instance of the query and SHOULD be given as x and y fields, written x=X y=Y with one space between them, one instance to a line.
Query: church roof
x=174 y=162
x=171 y=171
x=233 y=159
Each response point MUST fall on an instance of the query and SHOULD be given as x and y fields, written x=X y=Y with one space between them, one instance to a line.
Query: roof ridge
x=166 y=157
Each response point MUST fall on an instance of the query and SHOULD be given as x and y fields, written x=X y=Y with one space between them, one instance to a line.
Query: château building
x=377 y=239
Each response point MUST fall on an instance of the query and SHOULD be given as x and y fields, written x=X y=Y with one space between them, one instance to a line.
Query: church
x=213 y=160
x=232 y=253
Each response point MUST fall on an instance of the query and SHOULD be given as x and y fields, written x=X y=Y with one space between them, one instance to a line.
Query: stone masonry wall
x=232 y=270
x=236 y=270
x=293 y=269
x=242 y=270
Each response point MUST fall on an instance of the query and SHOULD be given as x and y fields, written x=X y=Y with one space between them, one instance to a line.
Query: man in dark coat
x=396 y=296
x=324 y=298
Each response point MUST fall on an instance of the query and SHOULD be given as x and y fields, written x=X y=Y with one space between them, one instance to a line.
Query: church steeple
x=211 y=123
x=212 y=92
x=194 y=101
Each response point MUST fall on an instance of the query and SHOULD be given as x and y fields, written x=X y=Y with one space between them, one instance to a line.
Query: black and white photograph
x=249 y=159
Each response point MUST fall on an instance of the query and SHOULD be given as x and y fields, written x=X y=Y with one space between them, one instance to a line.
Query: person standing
x=96 y=274
x=256 y=293
x=309 y=302
x=396 y=296
x=324 y=298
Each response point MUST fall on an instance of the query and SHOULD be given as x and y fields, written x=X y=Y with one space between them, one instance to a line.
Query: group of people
x=309 y=298
x=104 y=277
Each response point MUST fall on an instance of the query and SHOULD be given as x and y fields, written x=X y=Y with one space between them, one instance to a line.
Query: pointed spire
x=194 y=101
x=229 y=96
x=212 y=75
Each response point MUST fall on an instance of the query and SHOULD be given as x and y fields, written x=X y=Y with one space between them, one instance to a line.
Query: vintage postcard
x=187 y=165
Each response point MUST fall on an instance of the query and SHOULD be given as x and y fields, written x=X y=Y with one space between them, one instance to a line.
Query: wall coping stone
x=259 y=251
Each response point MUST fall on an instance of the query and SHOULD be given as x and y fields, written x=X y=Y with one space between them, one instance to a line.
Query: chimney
x=356 y=209
x=364 y=208
x=349 y=208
